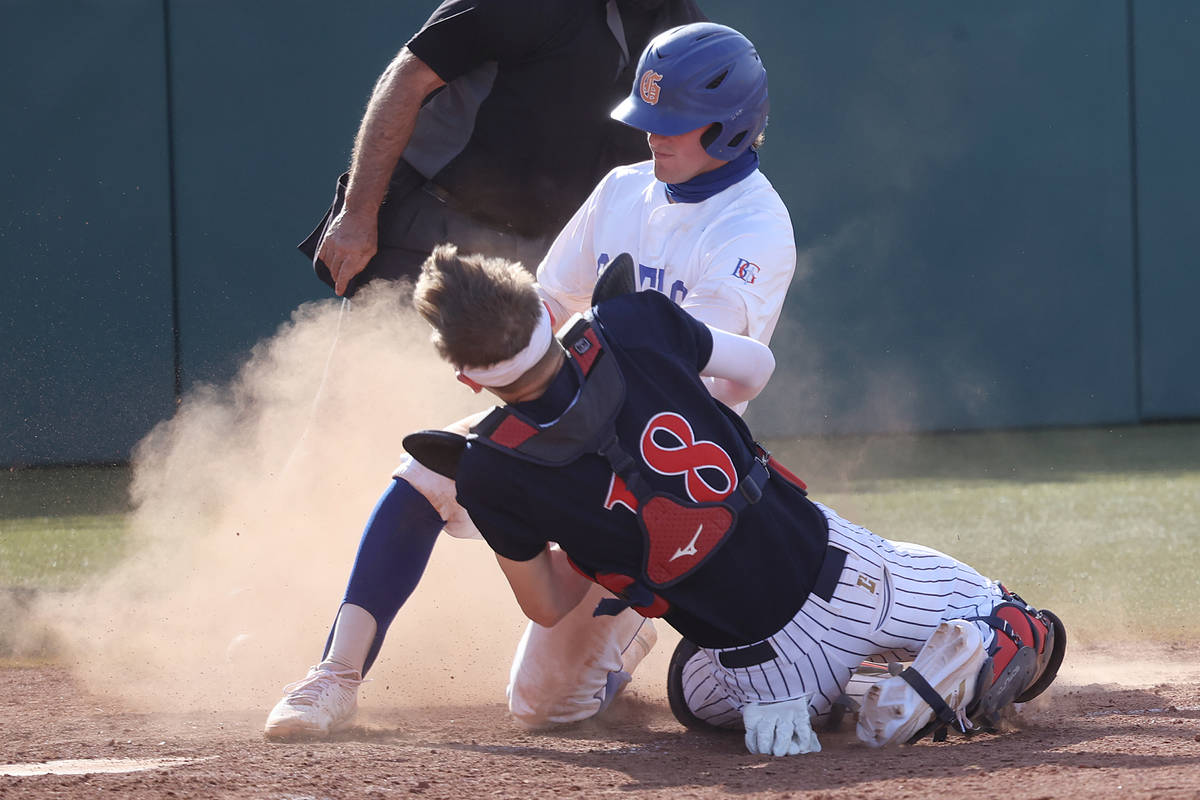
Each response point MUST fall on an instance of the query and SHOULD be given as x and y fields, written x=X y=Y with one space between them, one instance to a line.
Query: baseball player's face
x=680 y=158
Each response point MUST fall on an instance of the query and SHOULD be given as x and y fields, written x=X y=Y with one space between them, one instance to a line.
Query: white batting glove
x=780 y=729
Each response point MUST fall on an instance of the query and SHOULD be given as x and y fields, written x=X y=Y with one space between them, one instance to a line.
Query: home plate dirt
x=1121 y=738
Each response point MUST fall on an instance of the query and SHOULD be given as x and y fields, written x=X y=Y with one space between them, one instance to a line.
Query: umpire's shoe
x=324 y=701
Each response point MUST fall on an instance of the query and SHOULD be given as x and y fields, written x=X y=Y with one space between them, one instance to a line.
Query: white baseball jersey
x=728 y=260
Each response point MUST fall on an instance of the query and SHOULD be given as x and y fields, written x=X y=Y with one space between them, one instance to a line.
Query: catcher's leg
x=957 y=682
x=939 y=685
x=903 y=601
x=714 y=689
x=1023 y=659
x=575 y=669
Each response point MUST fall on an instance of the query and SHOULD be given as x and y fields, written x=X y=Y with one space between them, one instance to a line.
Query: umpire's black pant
x=416 y=216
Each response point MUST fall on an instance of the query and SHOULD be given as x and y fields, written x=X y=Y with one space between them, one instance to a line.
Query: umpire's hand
x=350 y=241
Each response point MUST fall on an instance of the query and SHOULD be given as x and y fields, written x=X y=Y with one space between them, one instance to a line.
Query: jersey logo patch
x=746 y=270
x=649 y=87
x=669 y=447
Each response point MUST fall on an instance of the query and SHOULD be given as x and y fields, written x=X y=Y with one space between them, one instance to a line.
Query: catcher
x=672 y=506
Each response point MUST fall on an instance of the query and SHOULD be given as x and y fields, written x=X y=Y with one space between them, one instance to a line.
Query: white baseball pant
x=888 y=600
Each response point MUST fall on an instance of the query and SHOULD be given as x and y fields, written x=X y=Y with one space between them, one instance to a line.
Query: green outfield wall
x=87 y=356
x=992 y=205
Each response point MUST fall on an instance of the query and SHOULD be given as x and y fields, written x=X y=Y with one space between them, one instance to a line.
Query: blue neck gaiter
x=706 y=184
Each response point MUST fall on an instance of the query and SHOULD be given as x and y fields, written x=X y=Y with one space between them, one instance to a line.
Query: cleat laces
x=308 y=690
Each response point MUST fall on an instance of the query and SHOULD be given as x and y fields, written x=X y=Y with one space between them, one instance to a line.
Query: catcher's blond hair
x=483 y=310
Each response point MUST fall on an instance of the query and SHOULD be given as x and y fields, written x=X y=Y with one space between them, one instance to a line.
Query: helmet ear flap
x=710 y=140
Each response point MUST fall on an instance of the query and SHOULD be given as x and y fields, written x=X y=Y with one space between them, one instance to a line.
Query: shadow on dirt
x=1063 y=733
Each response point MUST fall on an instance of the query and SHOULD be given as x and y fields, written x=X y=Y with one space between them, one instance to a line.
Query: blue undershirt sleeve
x=392 y=556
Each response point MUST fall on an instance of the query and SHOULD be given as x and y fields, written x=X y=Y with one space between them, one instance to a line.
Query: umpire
x=488 y=129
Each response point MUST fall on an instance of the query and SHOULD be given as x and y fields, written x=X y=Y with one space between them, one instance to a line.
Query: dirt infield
x=1137 y=738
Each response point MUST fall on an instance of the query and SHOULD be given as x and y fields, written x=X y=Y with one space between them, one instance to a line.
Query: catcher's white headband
x=502 y=373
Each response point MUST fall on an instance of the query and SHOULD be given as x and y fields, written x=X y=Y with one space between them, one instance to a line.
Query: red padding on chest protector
x=679 y=538
x=512 y=432
x=785 y=473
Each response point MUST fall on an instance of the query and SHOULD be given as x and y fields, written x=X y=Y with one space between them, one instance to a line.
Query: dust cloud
x=1143 y=664
x=249 y=505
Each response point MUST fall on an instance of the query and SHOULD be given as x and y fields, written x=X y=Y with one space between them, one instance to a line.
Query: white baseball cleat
x=324 y=701
x=893 y=711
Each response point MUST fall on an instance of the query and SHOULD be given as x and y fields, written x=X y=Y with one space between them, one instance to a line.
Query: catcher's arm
x=546 y=586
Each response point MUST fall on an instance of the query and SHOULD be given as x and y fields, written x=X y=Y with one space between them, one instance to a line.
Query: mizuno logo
x=690 y=548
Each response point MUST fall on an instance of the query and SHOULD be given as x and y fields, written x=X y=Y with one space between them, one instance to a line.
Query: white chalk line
x=94 y=766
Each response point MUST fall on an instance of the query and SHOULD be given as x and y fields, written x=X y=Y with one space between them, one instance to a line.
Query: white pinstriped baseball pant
x=889 y=599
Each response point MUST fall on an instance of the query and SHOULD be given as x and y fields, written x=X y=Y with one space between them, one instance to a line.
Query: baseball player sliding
x=706 y=230
x=610 y=462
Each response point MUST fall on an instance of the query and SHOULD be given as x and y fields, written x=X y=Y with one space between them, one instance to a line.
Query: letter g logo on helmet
x=712 y=75
x=649 y=87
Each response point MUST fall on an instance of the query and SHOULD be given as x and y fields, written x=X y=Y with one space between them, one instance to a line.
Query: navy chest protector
x=679 y=535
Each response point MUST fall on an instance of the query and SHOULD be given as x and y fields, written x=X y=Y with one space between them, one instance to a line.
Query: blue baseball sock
x=392 y=556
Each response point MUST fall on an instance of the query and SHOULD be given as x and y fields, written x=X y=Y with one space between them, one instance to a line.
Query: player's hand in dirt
x=780 y=729
x=350 y=242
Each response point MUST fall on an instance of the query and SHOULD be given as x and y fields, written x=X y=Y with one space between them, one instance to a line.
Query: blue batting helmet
x=696 y=75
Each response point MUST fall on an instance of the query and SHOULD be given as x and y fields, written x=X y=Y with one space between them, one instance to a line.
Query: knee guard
x=1023 y=659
